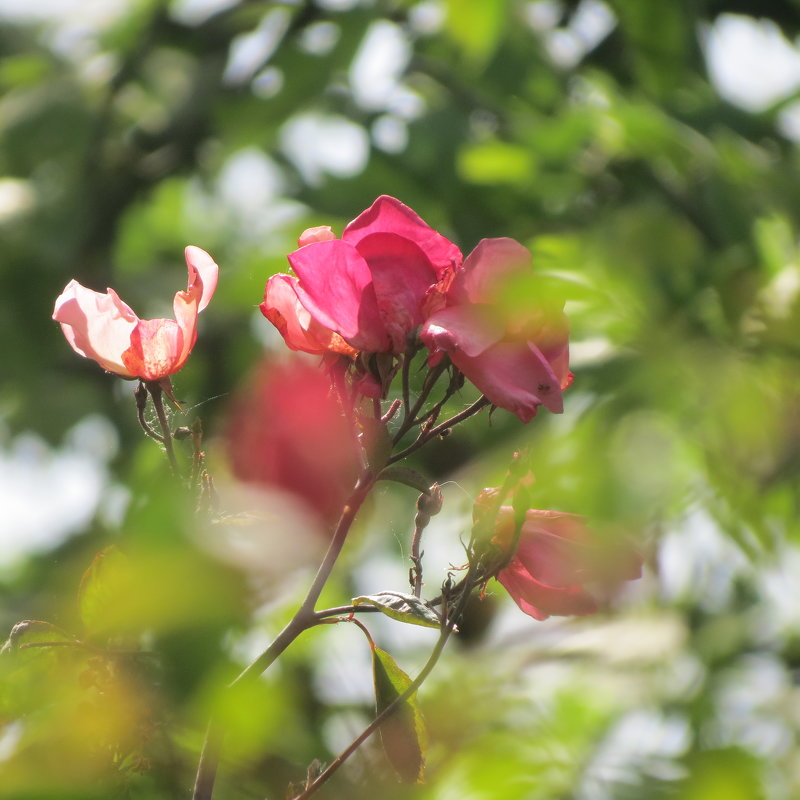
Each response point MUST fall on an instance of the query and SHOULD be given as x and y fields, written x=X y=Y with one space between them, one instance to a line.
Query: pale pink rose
x=369 y=287
x=102 y=327
x=519 y=364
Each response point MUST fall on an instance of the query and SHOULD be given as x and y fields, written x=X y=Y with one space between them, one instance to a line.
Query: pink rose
x=102 y=327
x=519 y=364
x=286 y=430
x=368 y=288
x=556 y=557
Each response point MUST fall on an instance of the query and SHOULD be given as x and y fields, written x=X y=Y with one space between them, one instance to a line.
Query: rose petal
x=97 y=326
x=487 y=268
x=206 y=269
x=389 y=215
x=402 y=276
x=463 y=328
x=336 y=288
x=287 y=430
x=540 y=601
x=322 y=233
x=156 y=349
x=299 y=329
x=514 y=376
x=553 y=548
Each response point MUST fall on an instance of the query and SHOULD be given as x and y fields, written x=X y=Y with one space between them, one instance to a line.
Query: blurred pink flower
x=287 y=430
x=519 y=364
x=557 y=556
x=102 y=327
x=368 y=288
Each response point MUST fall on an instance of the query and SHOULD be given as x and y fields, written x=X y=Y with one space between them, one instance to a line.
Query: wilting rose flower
x=364 y=292
x=286 y=430
x=556 y=558
x=518 y=363
x=102 y=327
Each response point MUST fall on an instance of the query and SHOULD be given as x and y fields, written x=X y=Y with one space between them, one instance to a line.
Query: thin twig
x=428 y=504
x=410 y=415
x=426 y=436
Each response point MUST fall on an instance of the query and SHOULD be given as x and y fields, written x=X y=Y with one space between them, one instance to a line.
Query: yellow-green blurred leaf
x=496 y=162
x=476 y=26
x=104 y=580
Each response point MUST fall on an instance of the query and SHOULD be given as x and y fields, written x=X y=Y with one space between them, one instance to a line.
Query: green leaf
x=377 y=442
x=476 y=27
x=34 y=633
x=496 y=163
x=402 y=607
x=406 y=476
x=101 y=586
x=403 y=734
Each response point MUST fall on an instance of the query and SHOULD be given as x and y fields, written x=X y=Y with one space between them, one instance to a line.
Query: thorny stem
x=426 y=436
x=448 y=625
x=391 y=411
x=304 y=618
x=416 y=560
x=156 y=393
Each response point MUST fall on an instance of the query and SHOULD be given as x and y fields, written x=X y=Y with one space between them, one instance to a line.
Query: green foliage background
x=665 y=216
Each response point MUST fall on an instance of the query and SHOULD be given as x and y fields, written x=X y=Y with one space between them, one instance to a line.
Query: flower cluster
x=389 y=287
x=391 y=281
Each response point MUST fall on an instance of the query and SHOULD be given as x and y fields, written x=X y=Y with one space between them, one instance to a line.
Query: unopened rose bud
x=430 y=502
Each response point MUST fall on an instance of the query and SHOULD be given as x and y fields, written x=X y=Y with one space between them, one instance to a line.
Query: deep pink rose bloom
x=519 y=364
x=102 y=327
x=369 y=288
x=286 y=430
x=556 y=558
